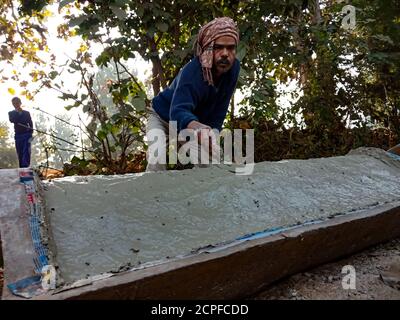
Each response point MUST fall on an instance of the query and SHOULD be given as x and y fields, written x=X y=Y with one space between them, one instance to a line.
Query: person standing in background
x=23 y=129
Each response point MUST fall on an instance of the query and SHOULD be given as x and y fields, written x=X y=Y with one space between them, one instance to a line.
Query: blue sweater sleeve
x=12 y=116
x=30 y=122
x=183 y=103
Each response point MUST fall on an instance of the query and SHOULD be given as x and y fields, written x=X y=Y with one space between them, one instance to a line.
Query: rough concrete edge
x=386 y=212
x=44 y=230
x=6 y=294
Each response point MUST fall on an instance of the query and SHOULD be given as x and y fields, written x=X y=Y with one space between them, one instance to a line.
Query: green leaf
x=135 y=129
x=114 y=129
x=75 y=160
x=113 y=149
x=126 y=109
x=241 y=51
x=180 y=53
x=243 y=73
x=86 y=108
x=80 y=162
x=124 y=92
x=121 y=14
x=121 y=3
x=151 y=31
x=140 y=11
x=70 y=107
x=96 y=144
x=66 y=96
x=142 y=95
x=116 y=117
x=101 y=135
x=103 y=59
x=75 y=66
x=77 y=21
x=162 y=26
x=63 y=3
x=92 y=127
x=53 y=75
x=139 y=104
x=383 y=38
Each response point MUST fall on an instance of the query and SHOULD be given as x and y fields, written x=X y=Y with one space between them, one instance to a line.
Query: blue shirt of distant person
x=23 y=128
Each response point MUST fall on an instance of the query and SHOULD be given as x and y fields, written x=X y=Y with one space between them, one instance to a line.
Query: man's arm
x=30 y=122
x=12 y=116
x=183 y=103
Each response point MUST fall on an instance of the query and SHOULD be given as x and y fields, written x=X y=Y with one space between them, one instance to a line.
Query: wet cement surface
x=100 y=223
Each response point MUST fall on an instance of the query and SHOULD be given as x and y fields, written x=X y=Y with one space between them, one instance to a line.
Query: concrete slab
x=359 y=195
x=105 y=224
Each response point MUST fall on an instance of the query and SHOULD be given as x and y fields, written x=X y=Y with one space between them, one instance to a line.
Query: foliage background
x=346 y=81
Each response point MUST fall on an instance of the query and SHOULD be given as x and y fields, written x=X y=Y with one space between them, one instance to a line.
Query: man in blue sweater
x=198 y=98
x=23 y=132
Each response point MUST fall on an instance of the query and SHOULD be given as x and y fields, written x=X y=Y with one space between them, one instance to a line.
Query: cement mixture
x=101 y=223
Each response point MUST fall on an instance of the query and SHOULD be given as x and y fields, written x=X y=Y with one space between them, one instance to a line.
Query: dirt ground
x=377 y=278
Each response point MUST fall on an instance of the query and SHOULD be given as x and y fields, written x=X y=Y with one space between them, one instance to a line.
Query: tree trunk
x=299 y=44
x=316 y=7
x=158 y=80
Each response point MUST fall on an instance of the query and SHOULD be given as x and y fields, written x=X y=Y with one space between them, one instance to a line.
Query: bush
x=8 y=158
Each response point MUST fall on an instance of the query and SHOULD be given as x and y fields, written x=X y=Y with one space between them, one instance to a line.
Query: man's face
x=224 y=54
x=17 y=104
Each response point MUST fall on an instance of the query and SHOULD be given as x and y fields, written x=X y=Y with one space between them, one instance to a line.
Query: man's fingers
x=202 y=134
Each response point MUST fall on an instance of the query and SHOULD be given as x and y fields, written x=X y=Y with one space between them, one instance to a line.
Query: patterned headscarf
x=204 y=45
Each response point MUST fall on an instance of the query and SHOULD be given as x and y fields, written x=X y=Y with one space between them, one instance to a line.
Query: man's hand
x=205 y=135
x=195 y=125
x=201 y=130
